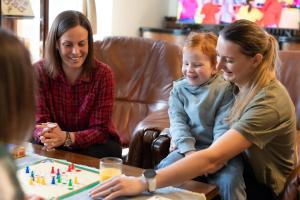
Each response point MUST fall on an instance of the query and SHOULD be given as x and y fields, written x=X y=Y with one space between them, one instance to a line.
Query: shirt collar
x=82 y=78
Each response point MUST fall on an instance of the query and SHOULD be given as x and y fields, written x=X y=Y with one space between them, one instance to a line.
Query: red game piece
x=52 y=170
x=69 y=168
x=72 y=166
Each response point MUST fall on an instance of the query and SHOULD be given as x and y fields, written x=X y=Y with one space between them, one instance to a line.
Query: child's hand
x=189 y=153
x=172 y=146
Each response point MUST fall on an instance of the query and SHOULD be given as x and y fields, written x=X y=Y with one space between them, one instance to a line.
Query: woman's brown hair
x=62 y=23
x=17 y=102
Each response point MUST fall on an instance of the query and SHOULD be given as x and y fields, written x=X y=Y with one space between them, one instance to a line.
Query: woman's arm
x=42 y=108
x=226 y=147
x=205 y=161
x=100 y=120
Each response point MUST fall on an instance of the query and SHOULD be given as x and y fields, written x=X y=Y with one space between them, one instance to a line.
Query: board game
x=56 y=179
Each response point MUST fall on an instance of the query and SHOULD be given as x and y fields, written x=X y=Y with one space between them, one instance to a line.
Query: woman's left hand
x=119 y=186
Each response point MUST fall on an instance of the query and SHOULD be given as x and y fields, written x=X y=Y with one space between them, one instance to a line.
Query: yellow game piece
x=76 y=180
x=38 y=179
x=30 y=181
x=43 y=182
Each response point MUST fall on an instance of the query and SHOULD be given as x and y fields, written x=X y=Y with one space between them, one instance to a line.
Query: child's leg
x=230 y=180
x=171 y=158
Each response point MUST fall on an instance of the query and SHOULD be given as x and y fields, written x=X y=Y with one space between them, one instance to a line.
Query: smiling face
x=197 y=67
x=73 y=47
x=236 y=66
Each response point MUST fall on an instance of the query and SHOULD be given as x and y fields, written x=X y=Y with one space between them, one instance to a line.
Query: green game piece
x=58 y=179
x=70 y=184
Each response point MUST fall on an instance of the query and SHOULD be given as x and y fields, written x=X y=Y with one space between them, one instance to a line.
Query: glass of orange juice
x=110 y=167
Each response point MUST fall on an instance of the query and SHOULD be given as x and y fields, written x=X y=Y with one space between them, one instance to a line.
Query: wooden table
x=210 y=191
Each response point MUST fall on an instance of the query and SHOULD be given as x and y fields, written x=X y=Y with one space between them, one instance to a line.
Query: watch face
x=149 y=173
x=68 y=142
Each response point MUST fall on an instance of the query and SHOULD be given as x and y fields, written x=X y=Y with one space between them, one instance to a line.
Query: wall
x=125 y=17
x=172 y=8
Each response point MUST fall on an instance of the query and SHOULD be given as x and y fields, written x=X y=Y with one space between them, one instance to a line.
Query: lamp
x=16 y=8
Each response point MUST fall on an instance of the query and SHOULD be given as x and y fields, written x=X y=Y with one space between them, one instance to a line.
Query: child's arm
x=179 y=128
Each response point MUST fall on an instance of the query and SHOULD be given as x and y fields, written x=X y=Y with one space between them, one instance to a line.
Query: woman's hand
x=119 y=186
x=52 y=136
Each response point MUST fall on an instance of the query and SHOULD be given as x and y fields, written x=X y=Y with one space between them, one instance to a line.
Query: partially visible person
x=187 y=10
x=17 y=107
x=250 y=12
x=209 y=11
x=271 y=13
x=198 y=105
x=75 y=92
x=259 y=126
x=227 y=13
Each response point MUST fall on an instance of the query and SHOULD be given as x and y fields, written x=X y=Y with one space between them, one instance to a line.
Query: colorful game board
x=54 y=178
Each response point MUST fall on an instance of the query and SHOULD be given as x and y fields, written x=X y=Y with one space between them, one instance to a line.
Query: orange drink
x=110 y=167
x=108 y=173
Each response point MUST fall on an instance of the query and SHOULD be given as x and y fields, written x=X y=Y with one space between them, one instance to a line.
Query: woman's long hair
x=17 y=102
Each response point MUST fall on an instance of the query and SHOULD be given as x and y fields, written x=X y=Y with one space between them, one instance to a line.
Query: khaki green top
x=269 y=122
x=9 y=186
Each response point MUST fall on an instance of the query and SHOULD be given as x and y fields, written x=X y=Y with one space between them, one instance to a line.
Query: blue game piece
x=27 y=170
x=53 y=180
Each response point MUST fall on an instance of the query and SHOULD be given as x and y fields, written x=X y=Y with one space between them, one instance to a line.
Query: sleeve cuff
x=186 y=146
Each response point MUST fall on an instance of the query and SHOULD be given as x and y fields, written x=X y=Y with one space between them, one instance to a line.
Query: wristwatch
x=68 y=141
x=149 y=176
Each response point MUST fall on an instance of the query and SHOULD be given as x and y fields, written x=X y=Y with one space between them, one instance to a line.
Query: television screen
x=267 y=13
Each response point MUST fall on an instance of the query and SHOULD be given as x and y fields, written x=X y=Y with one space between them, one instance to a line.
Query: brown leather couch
x=152 y=131
x=144 y=72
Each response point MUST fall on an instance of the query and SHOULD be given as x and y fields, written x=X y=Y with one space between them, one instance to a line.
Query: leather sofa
x=153 y=130
x=144 y=72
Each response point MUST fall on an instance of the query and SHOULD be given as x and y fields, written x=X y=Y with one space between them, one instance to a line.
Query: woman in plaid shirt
x=75 y=92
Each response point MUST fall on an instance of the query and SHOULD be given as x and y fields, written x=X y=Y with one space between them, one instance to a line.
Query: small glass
x=48 y=126
x=109 y=167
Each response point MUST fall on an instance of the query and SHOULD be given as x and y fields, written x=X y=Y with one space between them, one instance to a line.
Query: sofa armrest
x=160 y=147
x=143 y=136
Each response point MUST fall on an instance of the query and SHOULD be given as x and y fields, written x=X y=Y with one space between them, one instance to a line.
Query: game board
x=42 y=178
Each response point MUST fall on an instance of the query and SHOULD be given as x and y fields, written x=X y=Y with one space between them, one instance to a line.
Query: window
x=28 y=29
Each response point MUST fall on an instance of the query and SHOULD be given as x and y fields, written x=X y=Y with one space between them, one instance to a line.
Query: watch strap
x=68 y=141
x=149 y=176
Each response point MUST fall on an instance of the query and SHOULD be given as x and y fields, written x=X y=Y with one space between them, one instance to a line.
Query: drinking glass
x=109 y=167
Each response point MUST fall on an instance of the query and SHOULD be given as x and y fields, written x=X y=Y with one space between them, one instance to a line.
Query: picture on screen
x=266 y=13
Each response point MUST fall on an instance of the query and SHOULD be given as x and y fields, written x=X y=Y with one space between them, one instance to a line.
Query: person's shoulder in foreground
x=16 y=109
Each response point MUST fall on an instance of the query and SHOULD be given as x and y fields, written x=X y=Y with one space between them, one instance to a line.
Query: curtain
x=89 y=9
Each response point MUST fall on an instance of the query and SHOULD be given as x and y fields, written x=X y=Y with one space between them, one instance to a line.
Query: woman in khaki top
x=262 y=123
